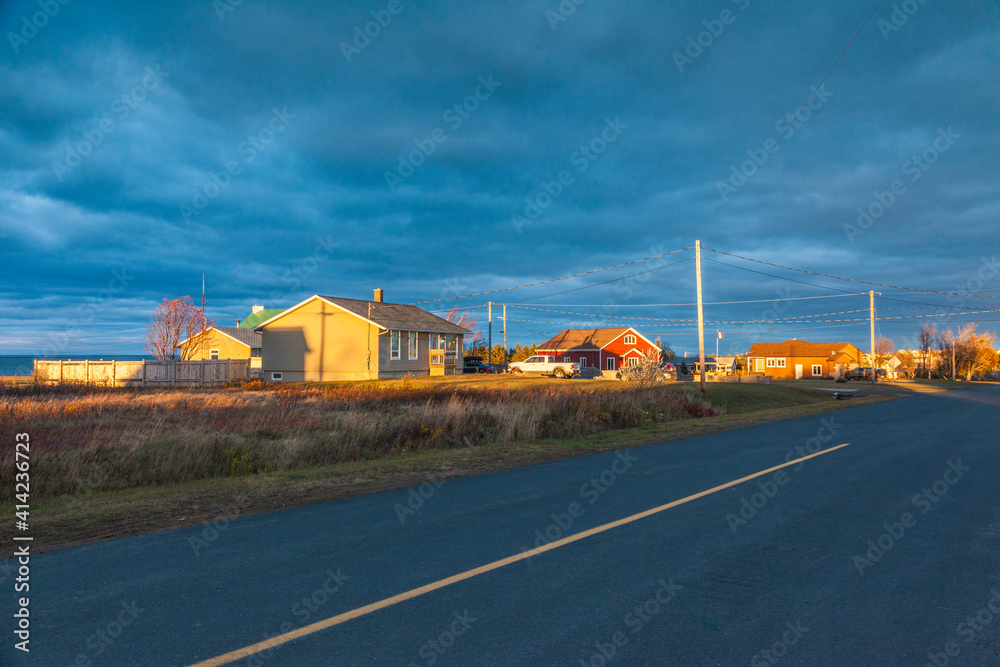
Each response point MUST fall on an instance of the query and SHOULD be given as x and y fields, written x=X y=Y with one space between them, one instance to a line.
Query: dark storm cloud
x=236 y=143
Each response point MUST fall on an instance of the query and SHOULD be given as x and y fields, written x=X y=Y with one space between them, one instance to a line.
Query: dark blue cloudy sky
x=279 y=151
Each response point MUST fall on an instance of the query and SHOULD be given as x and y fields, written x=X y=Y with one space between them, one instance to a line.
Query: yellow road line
x=277 y=640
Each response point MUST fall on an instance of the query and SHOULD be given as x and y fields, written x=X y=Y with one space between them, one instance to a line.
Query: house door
x=798 y=371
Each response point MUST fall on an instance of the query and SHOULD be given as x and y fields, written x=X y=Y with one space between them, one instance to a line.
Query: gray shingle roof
x=245 y=336
x=397 y=316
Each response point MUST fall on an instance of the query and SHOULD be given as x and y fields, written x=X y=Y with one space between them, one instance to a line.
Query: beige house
x=223 y=343
x=327 y=338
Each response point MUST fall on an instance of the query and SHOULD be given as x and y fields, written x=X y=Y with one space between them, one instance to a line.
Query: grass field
x=108 y=463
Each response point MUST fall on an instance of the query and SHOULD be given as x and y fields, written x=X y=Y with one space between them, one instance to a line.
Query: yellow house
x=327 y=338
x=223 y=343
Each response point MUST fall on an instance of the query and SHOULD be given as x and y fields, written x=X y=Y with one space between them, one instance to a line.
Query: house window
x=583 y=362
x=630 y=339
x=632 y=361
x=213 y=354
x=817 y=369
x=437 y=341
x=771 y=362
x=781 y=362
x=567 y=360
x=255 y=352
x=394 y=345
x=611 y=363
x=275 y=377
x=413 y=345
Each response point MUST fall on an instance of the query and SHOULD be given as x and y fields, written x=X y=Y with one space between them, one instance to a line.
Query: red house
x=603 y=349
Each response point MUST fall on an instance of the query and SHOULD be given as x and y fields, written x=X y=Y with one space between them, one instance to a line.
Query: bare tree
x=467 y=321
x=664 y=350
x=173 y=321
x=883 y=350
x=926 y=337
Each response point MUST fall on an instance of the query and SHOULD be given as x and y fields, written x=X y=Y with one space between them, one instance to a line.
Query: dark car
x=864 y=373
x=476 y=365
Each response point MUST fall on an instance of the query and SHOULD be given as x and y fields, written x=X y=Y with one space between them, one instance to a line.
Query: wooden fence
x=146 y=373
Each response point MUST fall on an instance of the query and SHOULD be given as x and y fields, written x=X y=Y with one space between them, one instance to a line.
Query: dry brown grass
x=90 y=440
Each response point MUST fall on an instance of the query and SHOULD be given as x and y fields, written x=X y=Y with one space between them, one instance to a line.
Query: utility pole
x=701 y=315
x=505 y=335
x=871 y=310
x=953 y=376
x=489 y=352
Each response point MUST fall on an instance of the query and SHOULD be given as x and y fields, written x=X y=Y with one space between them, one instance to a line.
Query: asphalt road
x=883 y=552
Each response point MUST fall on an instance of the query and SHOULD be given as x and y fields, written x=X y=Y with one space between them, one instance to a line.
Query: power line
x=552 y=280
x=851 y=280
x=791 y=280
x=662 y=319
x=709 y=303
x=788 y=129
x=606 y=282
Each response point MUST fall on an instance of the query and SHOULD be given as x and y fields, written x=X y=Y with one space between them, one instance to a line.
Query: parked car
x=545 y=365
x=864 y=373
x=475 y=365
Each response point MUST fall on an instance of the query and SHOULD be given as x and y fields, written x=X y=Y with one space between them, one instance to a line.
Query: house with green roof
x=258 y=314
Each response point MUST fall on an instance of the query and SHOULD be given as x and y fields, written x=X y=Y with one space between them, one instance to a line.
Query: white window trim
x=815 y=366
x=630 y=339
x=213 y=354
x=413 y=341
x=276 y=377
x=567 y=360
x=781 y=362
x=771 y=362
x=394 y=350
x=611 y=363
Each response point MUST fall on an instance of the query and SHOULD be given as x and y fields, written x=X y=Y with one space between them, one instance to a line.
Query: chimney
x=378 y=295
x=256 y=309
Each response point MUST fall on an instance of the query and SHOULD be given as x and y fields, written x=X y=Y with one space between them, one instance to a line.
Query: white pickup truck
x=542 y=365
